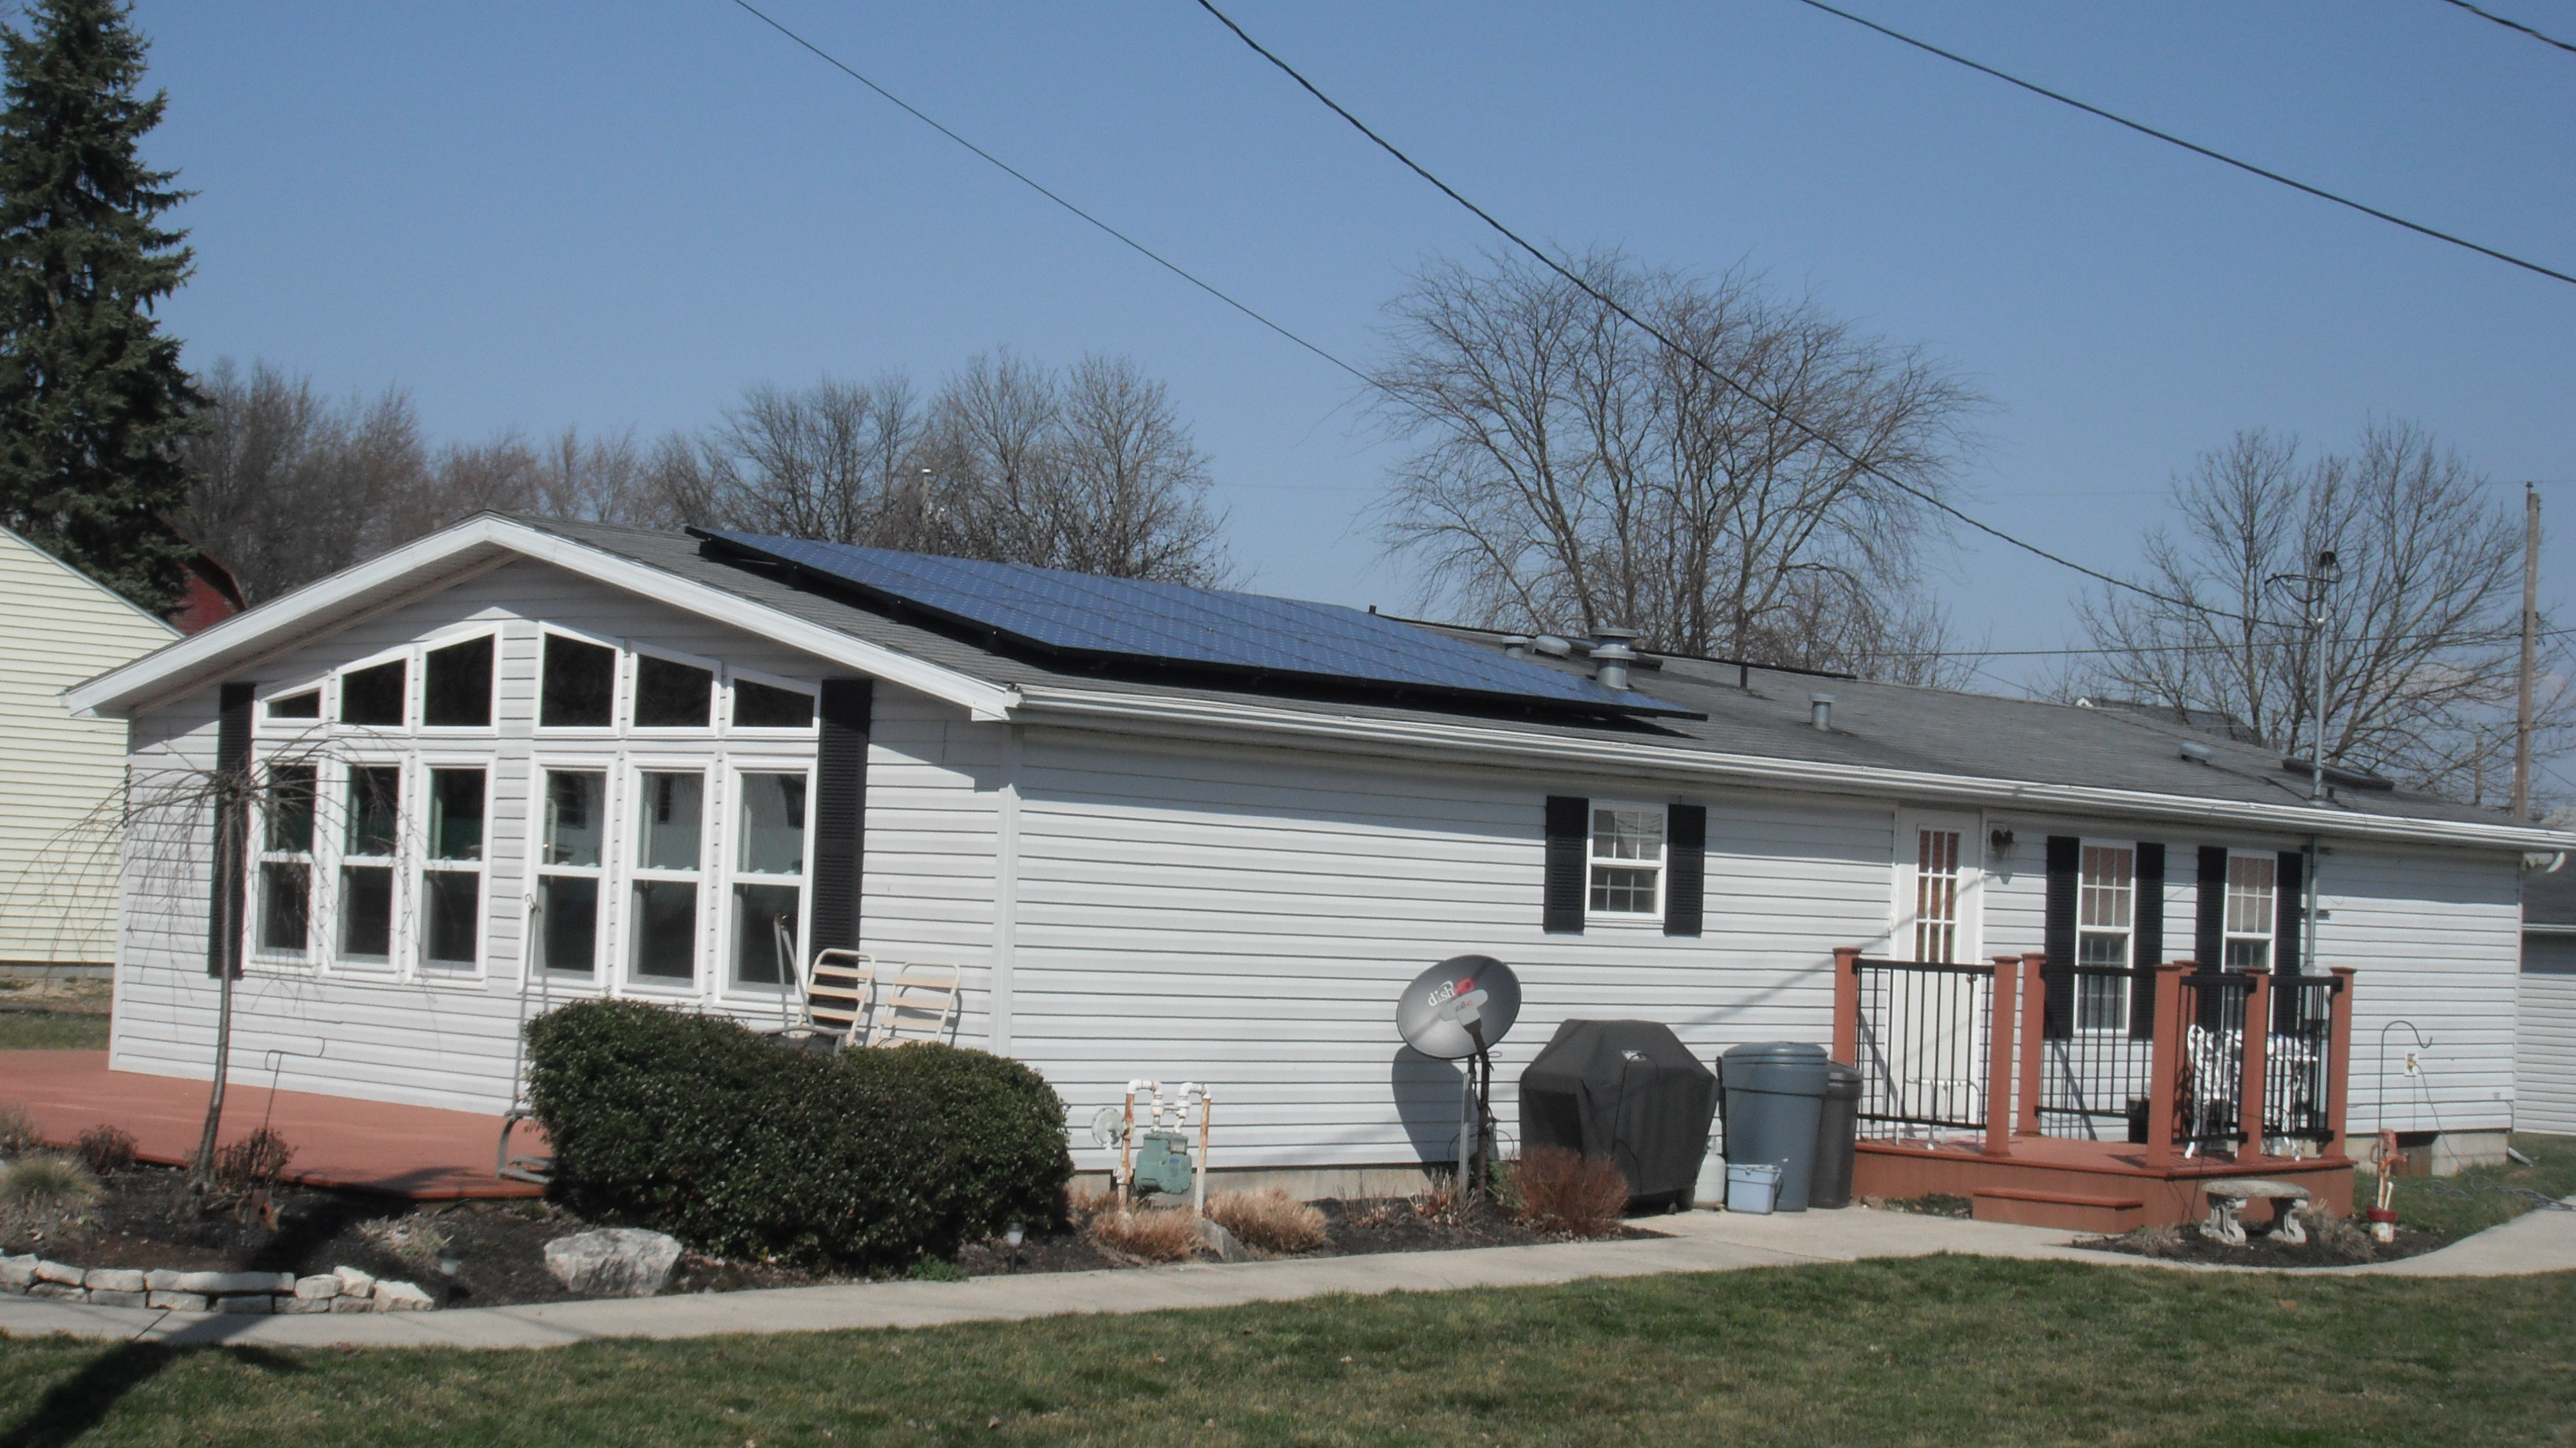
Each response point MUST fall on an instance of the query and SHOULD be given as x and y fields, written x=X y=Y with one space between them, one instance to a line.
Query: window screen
x=457 y=686
x=580 y=684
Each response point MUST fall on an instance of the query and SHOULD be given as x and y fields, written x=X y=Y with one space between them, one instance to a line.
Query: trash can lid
x=1775 y=1051
x=1788 y=1067
x=1842 y=1083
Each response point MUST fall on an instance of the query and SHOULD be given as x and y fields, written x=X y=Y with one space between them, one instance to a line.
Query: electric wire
x=2199 y=150
x=1703 y=364
x=1024 y=179
x=2513 y=25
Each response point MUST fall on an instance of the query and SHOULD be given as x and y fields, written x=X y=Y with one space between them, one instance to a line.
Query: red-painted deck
x=412 y=1151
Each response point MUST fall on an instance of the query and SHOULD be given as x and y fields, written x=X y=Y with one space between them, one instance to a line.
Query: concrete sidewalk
x=2542 y=1241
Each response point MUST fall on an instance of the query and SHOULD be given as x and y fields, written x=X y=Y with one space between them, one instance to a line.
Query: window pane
x=456 y=814
x=366 y=910
x=758 y=706
x=576 y=816
x=2101 y=948
x=374 y=696
x=447 y=907
x=760 y=912
x=285 y=906
x=773 y=824
x=2101 y=1002
x=672 y=696
x=1628 y=834
x=2249 y=955
x=1630 y=892
x=568 y=915
x=375 y=808
x=579 y=686
x=456 y=685
x=664 y=941
x=667 y=821
x=290 y=809
x=307 y=705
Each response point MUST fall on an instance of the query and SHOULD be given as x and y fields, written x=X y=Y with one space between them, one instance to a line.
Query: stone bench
x=2228 y=1196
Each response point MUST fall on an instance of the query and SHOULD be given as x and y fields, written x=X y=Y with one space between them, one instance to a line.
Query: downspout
x=1006 y=888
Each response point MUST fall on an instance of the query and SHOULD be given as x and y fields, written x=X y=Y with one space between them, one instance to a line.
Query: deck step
x=2073 y=1211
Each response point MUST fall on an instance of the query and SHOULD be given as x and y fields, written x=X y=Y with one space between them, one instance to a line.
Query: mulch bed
x=496 y=1250
x=2186 y=1244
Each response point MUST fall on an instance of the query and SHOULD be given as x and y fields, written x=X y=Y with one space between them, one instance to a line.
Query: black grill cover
x=1628 y=1090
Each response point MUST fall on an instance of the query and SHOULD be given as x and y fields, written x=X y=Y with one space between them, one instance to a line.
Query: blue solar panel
x=1126 y=618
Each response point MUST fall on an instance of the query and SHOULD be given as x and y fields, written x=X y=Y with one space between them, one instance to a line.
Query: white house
x=64 y=777
x=1187 y=836
x=2544 y=1048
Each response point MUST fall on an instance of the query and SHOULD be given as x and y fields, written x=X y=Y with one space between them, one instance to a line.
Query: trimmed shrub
x=699 y=1127
x=1566 y=1191
x=257 y=1160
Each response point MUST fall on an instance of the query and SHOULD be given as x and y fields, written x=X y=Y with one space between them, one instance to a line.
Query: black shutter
x=2057 y=933
x=840 y=813
x=1569 y=833
x=2147 y=943
x=2209 y=911
x=224 y=908
x=2289 y=897
x=1686 y=867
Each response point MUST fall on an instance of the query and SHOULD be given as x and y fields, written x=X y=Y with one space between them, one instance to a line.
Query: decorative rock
x=17 y=1271
x=1226 y=1246
x=14 y=1289
x=306 y=1304
x=401 y=1297
x=354 y=1283
x=175 y=1301
x=110 y=1297
x=613 y=1261
x=57 y=1272
x=59 y=1292
x=248 y=1302
x=114 y=1279
x=163 y=1279
x=350 y=1304
x=227 y=1284
x=317 y=1288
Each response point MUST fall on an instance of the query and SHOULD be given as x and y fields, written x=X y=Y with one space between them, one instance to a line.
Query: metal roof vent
x=2196 y=753
x=1820 y=710
x=1611 y=655
x=1516 y=646
x=1552 y=646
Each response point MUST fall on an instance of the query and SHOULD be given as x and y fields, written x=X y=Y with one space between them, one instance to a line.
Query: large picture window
x=369 y=845
x=769 y=876
x=286 y=860
x=1627 y=859
x=662 y=915
x=571 y=837
x=451 y=888
x=2106 y=904
x=2250 y=905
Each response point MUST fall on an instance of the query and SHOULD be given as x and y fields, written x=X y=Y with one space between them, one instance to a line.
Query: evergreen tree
x=92 y=398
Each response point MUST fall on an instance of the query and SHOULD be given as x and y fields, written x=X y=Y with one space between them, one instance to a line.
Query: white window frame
x=264 y=727
x=631 y=657
x=418 y=704
x=341 y=780
x=421 y=866
x=1661 y=868
x=604 y=953
x=2089 y=1006
x=260 y=856
x=711 y=833
x=2271 y=892
x=729 y=928
x=620 y=689
x=408 y=656
x=811 y=689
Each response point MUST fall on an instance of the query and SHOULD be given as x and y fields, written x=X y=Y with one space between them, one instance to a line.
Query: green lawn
x=52 y=1031
x=2476 y=1200
x=1938 y=1350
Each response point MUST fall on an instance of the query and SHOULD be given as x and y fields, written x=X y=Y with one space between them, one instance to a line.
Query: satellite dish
x=1108 y=1126
x=1459 y=1007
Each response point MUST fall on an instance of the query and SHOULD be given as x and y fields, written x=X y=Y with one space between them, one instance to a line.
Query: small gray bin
x=1752 y=1186
x=1837 y=1135
x=1775 y=1095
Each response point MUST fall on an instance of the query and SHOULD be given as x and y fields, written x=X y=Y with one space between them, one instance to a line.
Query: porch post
x=1999 y=1055
x=2034 y=1023
x=1847 y=1004
x=2339 y=1066
x=2164 y=1064
x=2258 y=1044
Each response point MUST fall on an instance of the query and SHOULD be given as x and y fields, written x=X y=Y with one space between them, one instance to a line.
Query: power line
x=2513 y=25
x=2196 y=149
x=1702 y=363
x=1024 y=179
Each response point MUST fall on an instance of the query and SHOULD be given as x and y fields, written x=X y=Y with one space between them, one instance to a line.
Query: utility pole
x=2321 y=585
x=2530 y=643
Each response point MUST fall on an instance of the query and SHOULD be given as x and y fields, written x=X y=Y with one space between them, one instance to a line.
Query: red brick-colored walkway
x=414 y=1151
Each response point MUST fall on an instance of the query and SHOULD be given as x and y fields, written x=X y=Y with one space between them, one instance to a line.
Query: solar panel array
x=1131 y=619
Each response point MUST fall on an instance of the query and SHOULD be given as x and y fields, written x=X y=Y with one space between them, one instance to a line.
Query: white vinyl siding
x=62 y=777
x=2544 y=1043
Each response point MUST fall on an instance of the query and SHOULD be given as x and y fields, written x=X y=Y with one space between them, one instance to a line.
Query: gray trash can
x=1837 y=1128
x=1775 y=1094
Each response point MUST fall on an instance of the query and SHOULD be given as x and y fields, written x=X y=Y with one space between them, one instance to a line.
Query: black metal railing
x=2298 y=1062
x=2210 y=1080
x=2093 y=1080
x=1923 y=1036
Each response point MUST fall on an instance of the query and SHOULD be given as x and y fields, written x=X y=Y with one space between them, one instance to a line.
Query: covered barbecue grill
x=1627 y=1090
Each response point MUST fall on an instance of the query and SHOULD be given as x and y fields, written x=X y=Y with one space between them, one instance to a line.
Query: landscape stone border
x=342 y=1289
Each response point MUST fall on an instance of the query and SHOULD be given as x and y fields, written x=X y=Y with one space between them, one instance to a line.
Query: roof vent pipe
x=1820 y=710
x=1611 y=655
x=1552 y=646
x=2195 y=752
x=1516 y=646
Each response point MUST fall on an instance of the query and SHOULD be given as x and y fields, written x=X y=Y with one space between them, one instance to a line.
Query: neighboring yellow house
x=64 y=778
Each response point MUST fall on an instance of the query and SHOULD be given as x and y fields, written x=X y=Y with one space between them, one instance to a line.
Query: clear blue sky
x=619 y=216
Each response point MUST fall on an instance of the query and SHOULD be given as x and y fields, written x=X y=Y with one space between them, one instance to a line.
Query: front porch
x=2104 y=1104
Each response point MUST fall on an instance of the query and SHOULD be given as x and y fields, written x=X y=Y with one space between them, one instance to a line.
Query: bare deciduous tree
x=2422 y=645
x=284 y=486
x=1569 y=471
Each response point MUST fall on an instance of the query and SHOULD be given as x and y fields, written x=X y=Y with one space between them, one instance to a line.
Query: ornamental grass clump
x=18 y=1133
x=1567 y=1192
x=42 y=1185
x=696 y=1126
x=1268 y=1219
x=1148 y=1234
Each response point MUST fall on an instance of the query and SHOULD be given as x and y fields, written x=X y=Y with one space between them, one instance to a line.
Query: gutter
x=1475 y=743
